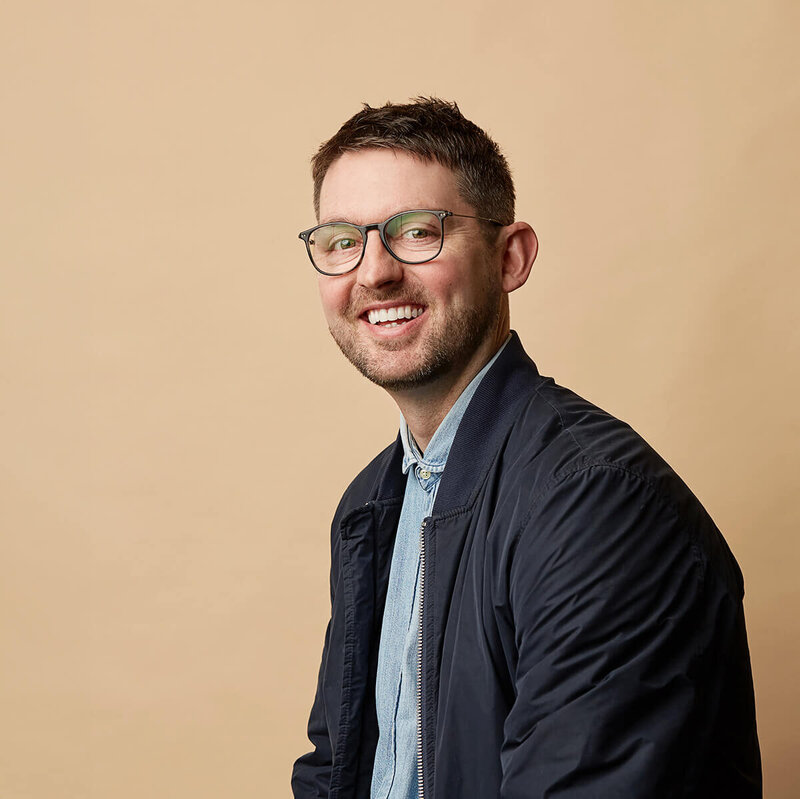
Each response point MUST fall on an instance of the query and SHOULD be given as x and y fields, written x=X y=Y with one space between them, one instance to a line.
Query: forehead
x=371 y=185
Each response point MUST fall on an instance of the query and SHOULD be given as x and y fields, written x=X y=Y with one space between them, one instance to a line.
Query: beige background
x=175 y=424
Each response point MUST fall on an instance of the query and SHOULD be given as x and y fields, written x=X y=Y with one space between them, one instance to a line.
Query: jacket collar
x=491 y=412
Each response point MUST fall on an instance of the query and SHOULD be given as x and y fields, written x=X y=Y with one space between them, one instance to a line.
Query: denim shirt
x=394 y=774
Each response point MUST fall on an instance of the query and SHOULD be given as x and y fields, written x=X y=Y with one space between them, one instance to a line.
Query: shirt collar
x=438 y=449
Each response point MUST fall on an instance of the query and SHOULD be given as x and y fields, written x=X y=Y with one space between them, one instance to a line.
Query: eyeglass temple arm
x=482 y=218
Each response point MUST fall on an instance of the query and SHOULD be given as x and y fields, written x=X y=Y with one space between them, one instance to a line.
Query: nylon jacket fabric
x=583 y=631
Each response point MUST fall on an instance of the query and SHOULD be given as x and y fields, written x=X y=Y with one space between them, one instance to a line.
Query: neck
x=425 y=407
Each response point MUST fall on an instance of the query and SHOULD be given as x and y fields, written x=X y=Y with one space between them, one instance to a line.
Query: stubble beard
x=444 y=351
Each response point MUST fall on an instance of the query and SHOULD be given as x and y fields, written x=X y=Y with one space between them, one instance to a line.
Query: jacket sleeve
x=621 y=630
x=312 y=772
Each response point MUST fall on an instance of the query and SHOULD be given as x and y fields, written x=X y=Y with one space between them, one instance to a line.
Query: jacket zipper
x=420 y=785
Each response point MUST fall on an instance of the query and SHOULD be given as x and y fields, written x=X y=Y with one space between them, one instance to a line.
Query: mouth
x=392 y=316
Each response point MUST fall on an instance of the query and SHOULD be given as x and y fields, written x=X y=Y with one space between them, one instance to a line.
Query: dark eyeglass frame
x=305 y=235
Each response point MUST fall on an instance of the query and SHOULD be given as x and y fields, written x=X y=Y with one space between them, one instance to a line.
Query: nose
x=377 y=268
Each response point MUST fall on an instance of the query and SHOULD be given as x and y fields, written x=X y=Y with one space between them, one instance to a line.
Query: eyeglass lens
x=414 y=237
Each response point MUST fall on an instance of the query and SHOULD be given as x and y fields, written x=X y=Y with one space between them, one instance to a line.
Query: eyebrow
x=329 y=220
x=332 y=218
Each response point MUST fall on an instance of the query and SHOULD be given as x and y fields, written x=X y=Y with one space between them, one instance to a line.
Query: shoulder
x=558 y=436
x=585 y=481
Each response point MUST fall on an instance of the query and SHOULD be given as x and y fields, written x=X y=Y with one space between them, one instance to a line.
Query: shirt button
x=424 y=474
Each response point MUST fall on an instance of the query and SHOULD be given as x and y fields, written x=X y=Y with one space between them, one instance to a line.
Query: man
x=526 y=601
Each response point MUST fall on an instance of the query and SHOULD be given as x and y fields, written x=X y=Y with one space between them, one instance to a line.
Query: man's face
x=455 y=299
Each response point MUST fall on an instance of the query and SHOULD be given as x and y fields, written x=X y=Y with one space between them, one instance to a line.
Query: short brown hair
x=434 y=130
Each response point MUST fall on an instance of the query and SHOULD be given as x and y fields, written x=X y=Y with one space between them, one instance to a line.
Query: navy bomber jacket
x=582 y=625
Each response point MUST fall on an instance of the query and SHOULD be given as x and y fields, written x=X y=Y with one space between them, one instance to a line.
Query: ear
x=519 y=248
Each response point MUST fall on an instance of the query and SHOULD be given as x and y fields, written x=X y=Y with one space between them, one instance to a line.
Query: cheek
x=443 y=284
x=456 y=291
x=332 y=296
x=327 y=295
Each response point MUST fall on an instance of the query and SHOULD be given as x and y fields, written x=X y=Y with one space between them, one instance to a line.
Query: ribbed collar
x=438 y=448
x=509 y=382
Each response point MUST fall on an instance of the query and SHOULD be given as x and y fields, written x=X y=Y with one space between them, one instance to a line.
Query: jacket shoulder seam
x=562 y=477
x=561 y=420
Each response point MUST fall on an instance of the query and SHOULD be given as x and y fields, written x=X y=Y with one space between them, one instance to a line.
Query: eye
x=415 y=228
x=337 y=238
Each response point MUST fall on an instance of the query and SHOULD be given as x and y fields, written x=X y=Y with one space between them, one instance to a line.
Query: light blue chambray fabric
x=394 y=775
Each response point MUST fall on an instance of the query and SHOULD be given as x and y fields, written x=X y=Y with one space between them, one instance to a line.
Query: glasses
x=411 y=237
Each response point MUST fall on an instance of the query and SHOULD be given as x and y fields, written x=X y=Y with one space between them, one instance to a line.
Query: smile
x=394 y=316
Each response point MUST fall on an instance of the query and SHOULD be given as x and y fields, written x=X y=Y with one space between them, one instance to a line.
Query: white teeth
x=390 y=315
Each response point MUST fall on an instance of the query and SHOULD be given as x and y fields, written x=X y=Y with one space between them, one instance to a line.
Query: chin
x=378 y=368
x=435 y=362
x=402 y=380
x=444 y=349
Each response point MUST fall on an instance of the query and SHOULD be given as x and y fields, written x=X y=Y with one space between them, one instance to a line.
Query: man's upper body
x=568 y=620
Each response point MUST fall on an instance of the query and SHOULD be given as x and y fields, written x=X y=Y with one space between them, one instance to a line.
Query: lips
x=392 y=316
